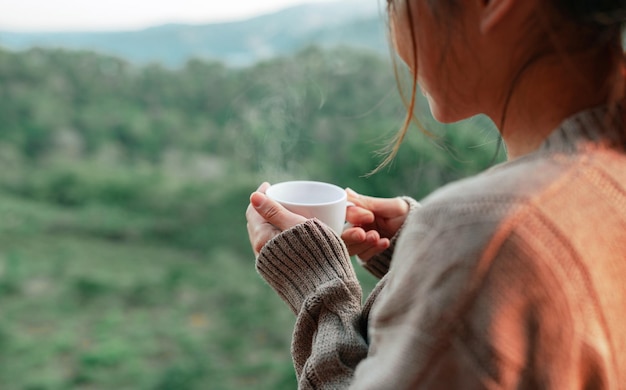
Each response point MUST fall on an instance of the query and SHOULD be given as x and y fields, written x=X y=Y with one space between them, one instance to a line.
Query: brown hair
x=392 y=150
x=600 y=22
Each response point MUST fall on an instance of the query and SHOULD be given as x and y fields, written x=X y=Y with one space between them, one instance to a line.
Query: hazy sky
x=64 y=15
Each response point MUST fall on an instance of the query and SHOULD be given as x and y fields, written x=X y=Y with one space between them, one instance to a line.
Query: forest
x=124 y=257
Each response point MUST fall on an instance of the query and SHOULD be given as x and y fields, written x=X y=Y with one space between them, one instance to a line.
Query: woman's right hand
x=374 y=222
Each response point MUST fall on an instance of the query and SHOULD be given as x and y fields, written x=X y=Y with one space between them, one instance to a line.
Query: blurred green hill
x=124 y=261
x=240 y=43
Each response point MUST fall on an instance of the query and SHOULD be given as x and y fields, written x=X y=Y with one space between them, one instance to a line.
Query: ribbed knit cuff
x=379 y=265
x=299 y=260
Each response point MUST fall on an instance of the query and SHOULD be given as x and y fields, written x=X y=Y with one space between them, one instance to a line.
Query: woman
x=510 y=279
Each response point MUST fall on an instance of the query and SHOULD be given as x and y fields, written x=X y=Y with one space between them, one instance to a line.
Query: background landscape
x=127 y=162
x=353 y=23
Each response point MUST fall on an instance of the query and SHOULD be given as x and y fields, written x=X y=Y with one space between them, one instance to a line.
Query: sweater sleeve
x=310 y=269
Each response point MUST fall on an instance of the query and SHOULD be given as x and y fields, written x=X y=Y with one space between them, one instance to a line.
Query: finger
x=358 y=241
x=353 y=235
x=263 y=187
x=274 y=213
x=367 y=253
x=259 y=230
x=354 y=197
x=253 y=217
x=251 y=214
x=355 y=240
x=358 y=249
x=359 y=216
x=372 y=237
x=383 y=207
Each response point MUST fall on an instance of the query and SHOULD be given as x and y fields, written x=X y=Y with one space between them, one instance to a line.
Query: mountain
x=355 y=23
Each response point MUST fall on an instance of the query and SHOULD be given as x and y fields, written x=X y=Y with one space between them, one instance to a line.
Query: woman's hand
x=374 y=222
x=267 y=218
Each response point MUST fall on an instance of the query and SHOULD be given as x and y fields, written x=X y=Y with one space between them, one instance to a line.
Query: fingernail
x=256 y=199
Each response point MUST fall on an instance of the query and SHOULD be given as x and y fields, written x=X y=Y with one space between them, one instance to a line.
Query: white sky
x=97 y=15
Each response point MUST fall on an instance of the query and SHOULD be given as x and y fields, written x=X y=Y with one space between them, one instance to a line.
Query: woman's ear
x=494 y=12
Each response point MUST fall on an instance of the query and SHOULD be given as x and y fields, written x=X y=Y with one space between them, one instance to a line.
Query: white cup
x=313 y=199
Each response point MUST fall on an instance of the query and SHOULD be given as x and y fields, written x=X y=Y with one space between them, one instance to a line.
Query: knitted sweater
x=512 y=279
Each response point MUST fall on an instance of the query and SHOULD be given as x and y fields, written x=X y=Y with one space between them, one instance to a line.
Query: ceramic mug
x=313 y=199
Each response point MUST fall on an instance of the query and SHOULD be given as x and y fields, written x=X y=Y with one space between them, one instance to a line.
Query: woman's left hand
x=267 y=218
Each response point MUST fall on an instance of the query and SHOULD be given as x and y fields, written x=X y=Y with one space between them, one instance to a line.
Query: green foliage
x=124 y=260
x=89 y=313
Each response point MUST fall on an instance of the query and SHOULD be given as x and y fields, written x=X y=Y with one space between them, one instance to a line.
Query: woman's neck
x=552 y=89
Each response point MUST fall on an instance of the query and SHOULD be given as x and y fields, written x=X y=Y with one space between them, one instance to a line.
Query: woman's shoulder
x=560 y=196
x=499 y=189
x=469 y=213
x=461 y=228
